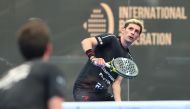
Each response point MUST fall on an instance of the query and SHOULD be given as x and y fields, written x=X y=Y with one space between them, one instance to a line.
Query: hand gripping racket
x=124 y=67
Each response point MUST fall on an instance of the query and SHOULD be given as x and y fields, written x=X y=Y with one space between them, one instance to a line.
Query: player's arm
x=88 y=46
x=55 y=102
x=116 y=88
x=55 y=86
x=89 y=43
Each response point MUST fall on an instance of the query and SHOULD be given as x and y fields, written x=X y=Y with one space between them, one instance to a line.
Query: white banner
x=128 y=105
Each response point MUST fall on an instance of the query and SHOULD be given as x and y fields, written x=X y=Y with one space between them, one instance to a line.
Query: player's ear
x=48 y=51
x=122 y=29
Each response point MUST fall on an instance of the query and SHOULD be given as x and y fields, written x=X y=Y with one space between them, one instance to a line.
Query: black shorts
x=88 y=95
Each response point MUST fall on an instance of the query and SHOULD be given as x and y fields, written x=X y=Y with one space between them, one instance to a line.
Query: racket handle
x=95 y=63
x=107 y=65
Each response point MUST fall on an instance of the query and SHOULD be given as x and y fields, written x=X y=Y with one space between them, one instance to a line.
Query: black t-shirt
x=30 y=85
x=96 y=79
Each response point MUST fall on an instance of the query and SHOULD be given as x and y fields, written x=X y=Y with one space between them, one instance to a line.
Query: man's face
x=131 y=33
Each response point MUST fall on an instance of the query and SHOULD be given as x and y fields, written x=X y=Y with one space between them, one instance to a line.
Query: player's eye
x=137 y=31
x=131 y=28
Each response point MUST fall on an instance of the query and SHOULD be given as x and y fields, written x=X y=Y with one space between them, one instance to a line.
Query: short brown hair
x=33 y=38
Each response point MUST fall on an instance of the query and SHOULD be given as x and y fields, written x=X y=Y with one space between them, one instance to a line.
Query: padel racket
x=124 y=67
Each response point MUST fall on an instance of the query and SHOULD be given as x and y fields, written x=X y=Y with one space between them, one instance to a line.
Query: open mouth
x=131 y=38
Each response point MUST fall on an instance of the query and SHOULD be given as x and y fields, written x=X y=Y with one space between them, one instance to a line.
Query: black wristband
x=90 y=53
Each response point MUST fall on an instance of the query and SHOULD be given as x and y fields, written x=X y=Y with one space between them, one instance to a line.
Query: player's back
x=25 y=86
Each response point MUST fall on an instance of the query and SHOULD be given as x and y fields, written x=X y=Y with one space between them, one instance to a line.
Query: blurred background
x=162 y=53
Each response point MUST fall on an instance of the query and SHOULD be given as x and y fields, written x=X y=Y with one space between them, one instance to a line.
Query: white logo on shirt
x=100 y=40
x=99 y=86
x=109 y=75
x=14 y=76
x=106 y=80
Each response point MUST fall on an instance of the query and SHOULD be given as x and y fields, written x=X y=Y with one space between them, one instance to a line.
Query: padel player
x=94 y=80
x=35 y=84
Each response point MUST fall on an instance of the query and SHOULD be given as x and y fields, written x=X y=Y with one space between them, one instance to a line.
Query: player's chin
x=130 y=41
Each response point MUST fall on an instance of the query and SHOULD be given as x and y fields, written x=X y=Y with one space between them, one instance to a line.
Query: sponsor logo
x=101 y=20
x=14 y=76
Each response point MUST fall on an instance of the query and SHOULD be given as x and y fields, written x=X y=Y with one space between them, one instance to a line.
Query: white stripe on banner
x=128 y=105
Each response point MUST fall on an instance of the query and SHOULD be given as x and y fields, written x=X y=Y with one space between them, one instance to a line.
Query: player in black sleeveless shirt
x=34 y=84
x=94 y=79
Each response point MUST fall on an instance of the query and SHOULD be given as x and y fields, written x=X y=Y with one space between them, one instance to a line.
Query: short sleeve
x=56 y=82
x=105 y=38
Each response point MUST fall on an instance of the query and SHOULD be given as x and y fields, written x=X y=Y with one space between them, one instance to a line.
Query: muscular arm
x=89 y=43
x=116 y=87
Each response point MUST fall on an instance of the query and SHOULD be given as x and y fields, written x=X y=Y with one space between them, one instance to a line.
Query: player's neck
x=124 y=43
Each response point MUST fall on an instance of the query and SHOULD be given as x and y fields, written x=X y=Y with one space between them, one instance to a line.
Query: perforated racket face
x=125 y=67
